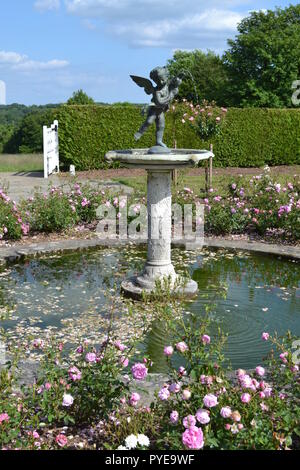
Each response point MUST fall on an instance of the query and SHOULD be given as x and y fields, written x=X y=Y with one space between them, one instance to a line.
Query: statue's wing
x=143 y=83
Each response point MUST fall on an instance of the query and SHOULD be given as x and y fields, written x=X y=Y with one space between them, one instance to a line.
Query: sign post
x=51 y=149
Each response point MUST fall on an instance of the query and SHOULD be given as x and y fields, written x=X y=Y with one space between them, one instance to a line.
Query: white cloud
x=22 y=62
x=189 y=31
x=163 y=23
x=11 y=57
x=44 y=5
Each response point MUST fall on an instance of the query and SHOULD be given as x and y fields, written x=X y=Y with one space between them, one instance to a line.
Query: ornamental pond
x=69 y=296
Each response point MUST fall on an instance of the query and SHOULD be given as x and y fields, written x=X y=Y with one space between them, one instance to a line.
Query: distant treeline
x=13 y=114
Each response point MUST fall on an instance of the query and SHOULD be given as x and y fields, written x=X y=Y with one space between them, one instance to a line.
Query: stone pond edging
x=18 y=251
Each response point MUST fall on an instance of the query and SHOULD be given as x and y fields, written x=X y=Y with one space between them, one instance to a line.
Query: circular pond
x=65 y=295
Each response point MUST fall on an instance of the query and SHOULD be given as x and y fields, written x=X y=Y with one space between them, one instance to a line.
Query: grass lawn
x=21 y=162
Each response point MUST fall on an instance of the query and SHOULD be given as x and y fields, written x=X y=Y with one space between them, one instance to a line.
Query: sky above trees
x=49 y=48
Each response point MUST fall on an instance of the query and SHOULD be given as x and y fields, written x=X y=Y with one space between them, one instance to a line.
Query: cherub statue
x=163 y=94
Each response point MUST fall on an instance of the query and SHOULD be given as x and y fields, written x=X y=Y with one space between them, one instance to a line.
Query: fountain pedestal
x=159 y=203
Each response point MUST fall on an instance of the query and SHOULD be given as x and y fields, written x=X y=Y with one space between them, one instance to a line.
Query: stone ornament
x=162 y=95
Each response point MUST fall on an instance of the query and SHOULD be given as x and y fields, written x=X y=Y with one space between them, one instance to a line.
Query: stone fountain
x=159 y=162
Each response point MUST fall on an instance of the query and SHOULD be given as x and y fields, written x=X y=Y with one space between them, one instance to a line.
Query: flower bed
x=256 y=205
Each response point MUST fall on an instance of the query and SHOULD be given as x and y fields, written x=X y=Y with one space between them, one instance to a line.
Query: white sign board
x=51 y=149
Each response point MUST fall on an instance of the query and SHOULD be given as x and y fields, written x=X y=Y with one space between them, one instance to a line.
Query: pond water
x=66 y=296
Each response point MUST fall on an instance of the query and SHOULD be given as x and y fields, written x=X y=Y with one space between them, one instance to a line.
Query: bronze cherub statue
x=163 y=94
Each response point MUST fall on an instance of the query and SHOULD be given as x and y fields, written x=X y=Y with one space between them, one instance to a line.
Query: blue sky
x=49 y=48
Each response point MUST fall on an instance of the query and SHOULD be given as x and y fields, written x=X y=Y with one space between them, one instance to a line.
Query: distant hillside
x=13 y=114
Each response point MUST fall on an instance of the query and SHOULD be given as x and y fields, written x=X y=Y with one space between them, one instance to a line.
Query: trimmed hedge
x=249 y=137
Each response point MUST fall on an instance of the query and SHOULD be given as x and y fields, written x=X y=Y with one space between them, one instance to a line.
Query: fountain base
x=132 y=288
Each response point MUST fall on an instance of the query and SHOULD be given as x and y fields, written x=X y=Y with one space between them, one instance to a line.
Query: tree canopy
x=264 y=58
x=204 y=75
x=81 y=98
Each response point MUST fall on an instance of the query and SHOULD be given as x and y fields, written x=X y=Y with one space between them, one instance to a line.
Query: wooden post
x=174 y=172
x=206 y=176
x=211 y=148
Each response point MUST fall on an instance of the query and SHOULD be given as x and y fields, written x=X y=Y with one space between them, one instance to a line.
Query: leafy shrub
x=12 y=225
x=51 y=212
x=28 y=136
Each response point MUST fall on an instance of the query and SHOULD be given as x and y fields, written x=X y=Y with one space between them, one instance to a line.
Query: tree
x=204 y=76
x=80 y=97
x=264 y=58
x=28 y=137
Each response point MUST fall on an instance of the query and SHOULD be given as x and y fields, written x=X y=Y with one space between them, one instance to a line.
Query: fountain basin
x=176 y=159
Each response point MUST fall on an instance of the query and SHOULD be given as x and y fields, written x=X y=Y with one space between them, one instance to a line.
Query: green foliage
x=80 y=98
x=28 y=137
x=204 y=76
x=264 y=59
x=248 y=137
x=6 y=132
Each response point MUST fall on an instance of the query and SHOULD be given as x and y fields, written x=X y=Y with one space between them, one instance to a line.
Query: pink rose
x=74 y=374
x=4 y=417
x=174 y=388
x=61 y=440
x=121 y=347
x=226 y=412
x=164 y=394
x=283 y=357
x=134 y=399
x=246 y=397
x=260 y=371
x=268 y=392
x=203 y=416
x=246 y=381
x=205 y=339
x=91 y=357
x=192 y=438
x=67 y=400
x=182 y=347
x=210 y=400
x=168 y=350
x=124 y=361
x=265 y=336
x=186 y=394
x=189 y=421
x=139 y=371
x=38 y=343
x=174 y=416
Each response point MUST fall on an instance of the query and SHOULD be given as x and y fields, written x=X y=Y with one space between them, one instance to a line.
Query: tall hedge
x=250 y=137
